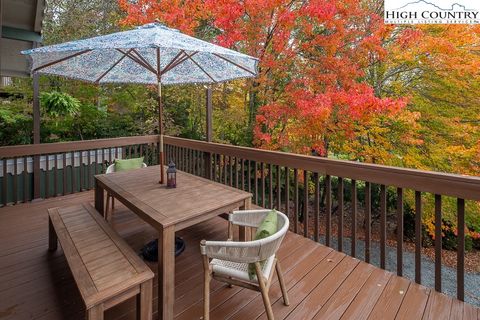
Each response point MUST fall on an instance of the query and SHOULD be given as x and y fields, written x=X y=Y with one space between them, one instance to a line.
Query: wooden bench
x=106 y=270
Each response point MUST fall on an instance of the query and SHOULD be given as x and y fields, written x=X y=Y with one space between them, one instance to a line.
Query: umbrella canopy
x=149 y=54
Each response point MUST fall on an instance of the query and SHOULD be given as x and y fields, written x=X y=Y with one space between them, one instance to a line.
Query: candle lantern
x=171 y=175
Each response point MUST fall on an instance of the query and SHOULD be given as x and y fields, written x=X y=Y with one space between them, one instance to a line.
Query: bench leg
x=95 y=313
x=52 y=236
x=144 y=301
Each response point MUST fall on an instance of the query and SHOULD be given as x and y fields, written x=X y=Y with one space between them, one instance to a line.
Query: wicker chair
x=108 y=213
x=230 y=259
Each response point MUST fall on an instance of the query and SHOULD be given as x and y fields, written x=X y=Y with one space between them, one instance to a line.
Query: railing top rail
x=460 y=186
x=60 y=147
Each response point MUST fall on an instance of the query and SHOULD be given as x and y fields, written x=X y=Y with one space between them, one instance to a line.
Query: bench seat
x=106 y=270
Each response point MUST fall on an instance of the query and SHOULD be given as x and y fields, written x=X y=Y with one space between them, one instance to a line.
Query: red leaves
x=312 y=60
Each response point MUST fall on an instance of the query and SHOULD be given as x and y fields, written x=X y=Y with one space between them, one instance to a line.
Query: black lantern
x=171 y=175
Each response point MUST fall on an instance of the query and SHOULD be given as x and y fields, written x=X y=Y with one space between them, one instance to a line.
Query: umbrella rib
x=60 y=60
x=234 y=63
x=138 y=61
x=143 y=59
x=190 y=57
x=113 y=66
x=172 y=61
x=180 y=61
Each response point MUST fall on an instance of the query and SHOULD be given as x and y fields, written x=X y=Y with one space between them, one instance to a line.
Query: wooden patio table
x=169 y=210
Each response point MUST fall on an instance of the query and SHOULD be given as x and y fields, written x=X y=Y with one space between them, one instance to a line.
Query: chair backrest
x=111 y=168
x=248 y=251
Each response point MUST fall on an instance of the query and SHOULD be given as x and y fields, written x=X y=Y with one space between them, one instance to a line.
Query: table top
x=195 y=199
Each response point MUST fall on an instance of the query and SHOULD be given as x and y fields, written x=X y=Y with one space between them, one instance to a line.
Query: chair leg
x=282 y=284
x=207 y=277
x=206 y=297
x=264 y=291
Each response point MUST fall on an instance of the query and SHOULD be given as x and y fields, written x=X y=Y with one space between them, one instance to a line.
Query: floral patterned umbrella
x=149 y=54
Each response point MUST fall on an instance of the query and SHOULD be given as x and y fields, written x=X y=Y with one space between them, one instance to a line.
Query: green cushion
x=128 y=164
x=267 y=227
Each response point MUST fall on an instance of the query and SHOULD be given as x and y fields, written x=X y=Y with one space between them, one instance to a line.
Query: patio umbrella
x=149 y=54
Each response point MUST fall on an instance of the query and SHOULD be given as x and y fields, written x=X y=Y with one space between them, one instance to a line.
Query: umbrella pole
x=160 y=129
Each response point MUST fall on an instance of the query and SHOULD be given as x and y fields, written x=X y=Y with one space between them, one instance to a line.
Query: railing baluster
x=287 y=191
x=64 y=173
x=181 y=161
x=96 y=162
x=104 y=165
x=353 y=250
x=89 y=172
x=5 y=182
x=418 y=237
x=438 y=243
x=225 y=171
x=230 y=166
x=255 y=182
x=340 y=214
x=328 y=210
x=383 y=223
x=295 y=199
x=55 y=176
x=400 y=232
x=25 y=179
x=218 y=168
x=249 y=176
x=15 y=180
x=461 y=249
x=279 y=188
x=47 y=176
x=81 y=171
x=243 y=173
x=317 y=207
x=236 y=173
x=368 y=219
x=190 y=161
x=214 y=174
x=270 y=186
x=305 y=204
x=74 y=180
x=262 y=173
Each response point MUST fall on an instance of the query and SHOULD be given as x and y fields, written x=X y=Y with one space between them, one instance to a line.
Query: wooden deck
x=322 y=283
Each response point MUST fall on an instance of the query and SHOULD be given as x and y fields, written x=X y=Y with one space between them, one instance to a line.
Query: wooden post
x=36 y=136
x=209 y=113
x=208 y=155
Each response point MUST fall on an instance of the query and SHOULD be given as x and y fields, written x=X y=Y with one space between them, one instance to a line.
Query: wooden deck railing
x=46 y=170
x=321 y=196
x=306 y=186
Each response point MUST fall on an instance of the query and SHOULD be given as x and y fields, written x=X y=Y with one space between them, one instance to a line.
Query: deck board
x=322 y=283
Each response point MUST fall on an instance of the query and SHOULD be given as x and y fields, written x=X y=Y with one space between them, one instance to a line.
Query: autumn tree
x=309 y=91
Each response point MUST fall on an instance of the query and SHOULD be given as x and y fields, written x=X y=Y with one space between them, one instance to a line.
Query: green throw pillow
x=267 y=228
x=128 y=164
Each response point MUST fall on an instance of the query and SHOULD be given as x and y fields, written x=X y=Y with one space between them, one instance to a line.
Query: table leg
x=99 y=198
x=52 y=236
x=166 y=273
x=244 y=234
